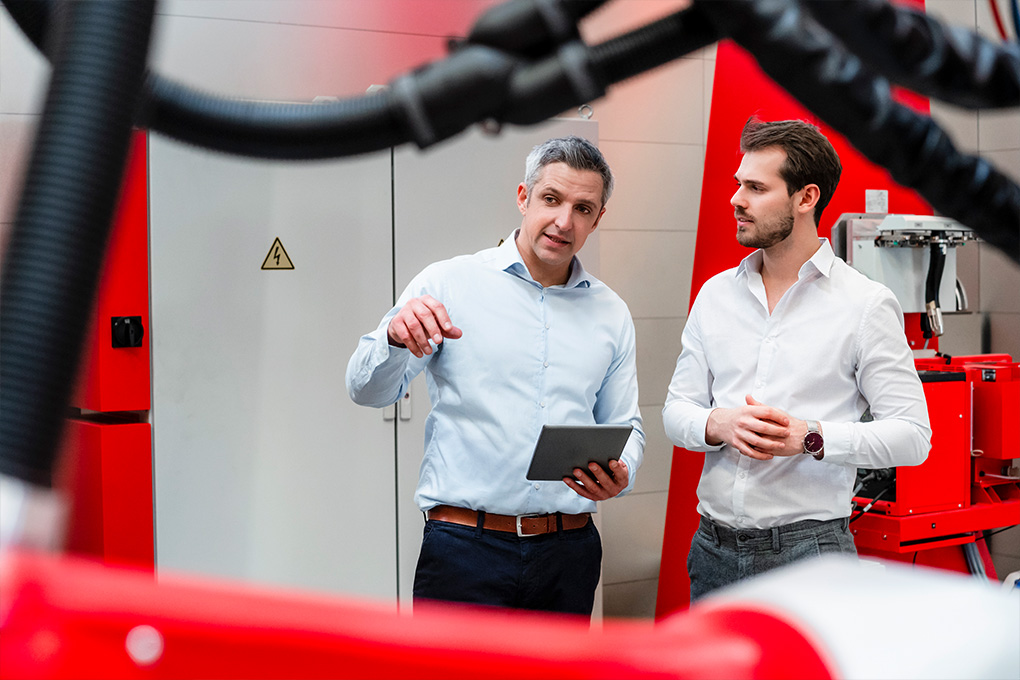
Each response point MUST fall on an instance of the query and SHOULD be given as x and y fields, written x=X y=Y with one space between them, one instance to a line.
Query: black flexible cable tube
x=808 y=62
x=577 y=74
x=430 y=104
x=425 y=106
x=531 y=28
x=936 y=267
x=653 y=45
x=62 y=221
x=950 y=63
x=932 y=284
x=474 y=82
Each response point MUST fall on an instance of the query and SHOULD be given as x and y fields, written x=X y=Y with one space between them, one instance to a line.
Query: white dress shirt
x=530 y=355
x=832 y=347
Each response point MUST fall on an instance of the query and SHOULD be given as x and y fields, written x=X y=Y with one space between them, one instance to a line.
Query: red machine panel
x=70 y=619
x=942 y=482
x=115 y=363
x=108 y=479
x=975 y=450
x=997 y=411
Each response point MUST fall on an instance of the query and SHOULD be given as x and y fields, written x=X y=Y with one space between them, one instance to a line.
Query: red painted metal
x=885 y=533
x=107 y=455
x=64 y=618
x=108 y=484
x=915 y=336
x=118 y=379
x=942 y=482
x=934 y=537
x=681 y=524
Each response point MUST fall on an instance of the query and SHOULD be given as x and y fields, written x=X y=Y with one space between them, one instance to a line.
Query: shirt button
x=545 y=364
x=743 y=475
x=542 y=404
x=536 y=485
x=547 y=326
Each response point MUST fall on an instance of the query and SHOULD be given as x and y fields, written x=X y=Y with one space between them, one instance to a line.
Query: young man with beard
x=537 y=340
x=782 y=355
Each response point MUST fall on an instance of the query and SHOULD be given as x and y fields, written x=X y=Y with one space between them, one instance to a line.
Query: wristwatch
x=814 y=444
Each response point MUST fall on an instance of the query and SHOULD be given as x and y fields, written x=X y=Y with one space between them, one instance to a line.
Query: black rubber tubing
x=62 y=222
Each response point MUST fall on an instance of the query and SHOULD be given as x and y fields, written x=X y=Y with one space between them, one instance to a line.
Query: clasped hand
x=420 y=320
x=756 y=430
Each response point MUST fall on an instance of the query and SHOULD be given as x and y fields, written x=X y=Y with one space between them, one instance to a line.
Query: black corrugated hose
x=56 y=248
x=813 y=66
x=425 y=106
x=913 y=49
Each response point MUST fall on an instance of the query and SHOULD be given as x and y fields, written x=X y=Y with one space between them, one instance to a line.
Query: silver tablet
x=561 y=448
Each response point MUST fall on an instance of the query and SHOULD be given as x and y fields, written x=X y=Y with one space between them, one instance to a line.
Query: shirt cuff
x=383 y=352
x=699 y=427
x=837 y=442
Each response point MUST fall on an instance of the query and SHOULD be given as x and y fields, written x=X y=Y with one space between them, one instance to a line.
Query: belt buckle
x=520 y=533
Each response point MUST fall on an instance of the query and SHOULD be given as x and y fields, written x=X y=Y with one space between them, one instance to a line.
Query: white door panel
x=264 y=469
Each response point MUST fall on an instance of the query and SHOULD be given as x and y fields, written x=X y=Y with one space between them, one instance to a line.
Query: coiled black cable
x=56 y=248
x=489 y=77
x=808 y=61
x=913 y=49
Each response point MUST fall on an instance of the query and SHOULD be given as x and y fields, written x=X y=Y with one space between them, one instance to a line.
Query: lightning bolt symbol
x=277 y=256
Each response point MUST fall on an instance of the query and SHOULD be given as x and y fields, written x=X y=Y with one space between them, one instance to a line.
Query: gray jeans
x=721 y=555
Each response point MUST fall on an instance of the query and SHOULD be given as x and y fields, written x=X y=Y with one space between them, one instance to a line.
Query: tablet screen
x=561 y=448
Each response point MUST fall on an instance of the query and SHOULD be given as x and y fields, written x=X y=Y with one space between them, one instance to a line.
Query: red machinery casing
x=107 y=456
x=112 y=378
x=67 y=618
x=966 y=485
x=111 y=510
x=942 y=482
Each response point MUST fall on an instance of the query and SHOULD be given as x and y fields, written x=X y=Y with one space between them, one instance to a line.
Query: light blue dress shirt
x=529 y=356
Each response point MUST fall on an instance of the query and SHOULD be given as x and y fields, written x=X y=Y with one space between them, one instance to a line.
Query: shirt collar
x=509 y=259
x=821 y=261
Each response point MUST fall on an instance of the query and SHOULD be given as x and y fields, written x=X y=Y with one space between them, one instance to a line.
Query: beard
x=769 y=232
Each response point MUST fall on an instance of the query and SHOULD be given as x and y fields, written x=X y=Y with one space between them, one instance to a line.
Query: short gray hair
x=576 y=152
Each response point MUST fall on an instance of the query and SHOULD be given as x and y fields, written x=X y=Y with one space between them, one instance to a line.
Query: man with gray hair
x=513 y=338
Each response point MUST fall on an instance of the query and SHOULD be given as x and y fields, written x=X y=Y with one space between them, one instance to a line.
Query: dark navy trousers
x=555 y=572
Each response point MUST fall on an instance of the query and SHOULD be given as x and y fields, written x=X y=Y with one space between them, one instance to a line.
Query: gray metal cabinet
x=264 y=469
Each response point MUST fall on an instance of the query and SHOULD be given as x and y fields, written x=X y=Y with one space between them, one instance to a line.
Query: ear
x=598 y=219
x=809 y=198
x=522 y=198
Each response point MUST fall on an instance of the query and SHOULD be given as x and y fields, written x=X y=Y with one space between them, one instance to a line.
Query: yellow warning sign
x=277 y=257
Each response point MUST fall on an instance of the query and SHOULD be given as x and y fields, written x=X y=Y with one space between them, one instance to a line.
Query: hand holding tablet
x=563 y=448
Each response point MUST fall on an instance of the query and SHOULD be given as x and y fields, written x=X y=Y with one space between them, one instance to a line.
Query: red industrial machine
x=107 y=473
x=935 y=513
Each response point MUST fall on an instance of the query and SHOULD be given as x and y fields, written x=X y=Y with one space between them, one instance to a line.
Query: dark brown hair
x=810 y=158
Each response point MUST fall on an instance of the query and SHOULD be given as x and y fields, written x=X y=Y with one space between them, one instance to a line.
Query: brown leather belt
x=522 y=525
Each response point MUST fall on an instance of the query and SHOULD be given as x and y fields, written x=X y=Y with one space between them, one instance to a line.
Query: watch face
x=813 y=442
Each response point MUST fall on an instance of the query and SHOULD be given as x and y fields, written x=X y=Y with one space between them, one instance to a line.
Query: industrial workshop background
x=653 y=129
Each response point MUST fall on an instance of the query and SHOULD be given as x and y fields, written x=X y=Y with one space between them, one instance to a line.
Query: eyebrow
x=550 y=189
x=751 y=182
